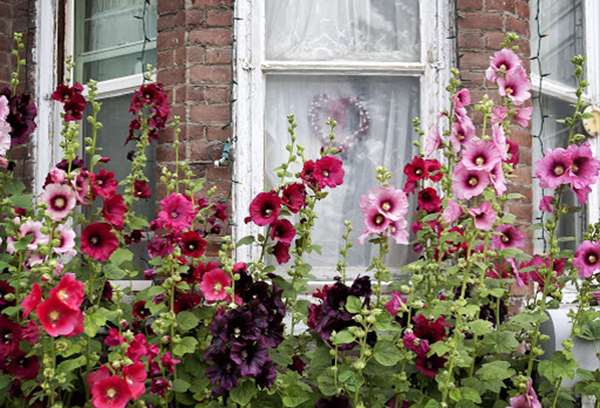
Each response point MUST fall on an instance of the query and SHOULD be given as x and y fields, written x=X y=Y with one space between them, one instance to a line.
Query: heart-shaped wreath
x=338 y=110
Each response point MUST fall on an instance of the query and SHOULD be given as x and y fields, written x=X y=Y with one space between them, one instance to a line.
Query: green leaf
x=514 y=196
x=70 y=365
x=180 y=385
x=386 y=353
x=136 y=223
x=94 y=321
x=430 y=217
x=114 y=272
x=343 y=337
x=13 y=187
x=326 y=382
x=470 y=394
x=501 y=341
x=455 y=394
x=561 y=365
x=534 y=227
x=497 y=292
x=433 y=404
x=187 y=345
x=295 y=395
x=353 y=304
x=438 y=348
x=187 y=320
x=243 y=393
x=22 y=201
x=247 y=240
x=198 y=184
x=480 y=327
x=121 y=255
x=496 y=370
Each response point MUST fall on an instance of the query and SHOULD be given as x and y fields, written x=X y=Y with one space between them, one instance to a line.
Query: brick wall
x=481 y=29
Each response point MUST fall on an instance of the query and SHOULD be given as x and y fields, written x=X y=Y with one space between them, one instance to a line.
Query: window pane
x=562 y=21
x=316 y=30
x=390 y=102
x=109 y=36
x=556 y=135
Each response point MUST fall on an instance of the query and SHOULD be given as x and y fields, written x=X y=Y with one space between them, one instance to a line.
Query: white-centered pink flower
x=375 y=223
x=391 y=203
x=515 y=86
x=481 y=155
x=502 y=63
x=462 y=133
x=213 y=285
x=587 y=258
x=469 y=183
x=484 y=216
x=498 y=180
x=523 y=116
x=61 y=200
x=499 y=141
x=67 y=241
x=35 y=228
x=584 y=167
x=553 y=169
x=498 y=114
x=462 y=98
x=452 y=211
x=433 y=141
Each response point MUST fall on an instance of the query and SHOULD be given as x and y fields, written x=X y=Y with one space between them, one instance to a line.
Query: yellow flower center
x=472 y=181
x=479 y=161
x=59 y=202
x=559 y=170
x=111 y=392
x=325 y=173
x=386 y=206
x=218 y=287
x=592 y=259
x=379 y=219
x=54 y=315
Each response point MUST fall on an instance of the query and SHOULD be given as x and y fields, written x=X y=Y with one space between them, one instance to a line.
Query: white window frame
x=251 y=69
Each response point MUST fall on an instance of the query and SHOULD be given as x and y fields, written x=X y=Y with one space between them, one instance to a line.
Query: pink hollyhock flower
x=523 y=116
x=415 y=344
x=59 y=319
x=462 y=98
x=114 y=210
x=177 y=212
x=584 y=168
x=481 y=155
x=114 y=339
x=4 y=107
x=587 y=258
x=329 y=172
x=429 y=201
x=546 y=204
x=112 y=392
x=452 y=211
x=159 y=247
x=596 y=296
x=515 y=86
x=264 y=209
x=462 y=133
x=397 y=230
x=390 y=202
x=498 y=114
x=35 y=228
x=294 y=196
x=57 y=175
x=103 y=184
x=32 y=300
x=375 y=223
x=521 y=278
x=135 y=376
x=81 y=185
x=581 y=194
x=138 y=348
x=504 y=62
x=498 y=180
x=169 y=362
x=67 y=241
x=69 y=291
x=396 y=305
x=213 y=285
x=527 y=400
x=499 y=141
x=99 y=375
x=60 y=199
x=484 y=216
x=98 y=241
x=513 y=152
x=553 y=169
x=433 y=141
x=192 y=245
x=281 y=250
x=283 y=230
x=469 y=183
x=509 y=237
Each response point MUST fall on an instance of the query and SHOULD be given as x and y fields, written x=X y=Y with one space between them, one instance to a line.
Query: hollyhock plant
x=213 y=285
x=177 y=212
x=103 y=184
x=502 y=64
x=69 y=291
x=114 y=210
x=584 y=167
x=390 y=202
x=469 y=183
x=429 y=201
x=98 y=241
x=329 y=172
x=515 y=86
x=283 y=230
x=509 y=237
x=264 y=209
x=58 y=319
x=32 y=300
x=480 y=155
x=484 y=216
x=294 y=196
x=192 y=245
x=587 y=258
x=111 y=392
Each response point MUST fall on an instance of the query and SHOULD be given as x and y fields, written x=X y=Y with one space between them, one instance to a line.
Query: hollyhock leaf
x=93 y=322
x=327 y=381
x=343 y=337
x=470 y=394
x=438 y=348
x=114 y=272
x=386 y=353
x=14 y=187
x=562 y=364
x=180 y=385
x=22 y=201
x=187 y=345
x=246 y=240
x=187 y=320
x=353 y=304
x=136 y=223
x=433 y=404
x=480 y=327
x=496 y=370
x=70 y=365
x=121 y=255
x=243 y=393
x=501 y=341
x=295 y=395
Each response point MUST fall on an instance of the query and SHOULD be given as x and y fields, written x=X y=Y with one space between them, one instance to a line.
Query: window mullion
x=343 y=67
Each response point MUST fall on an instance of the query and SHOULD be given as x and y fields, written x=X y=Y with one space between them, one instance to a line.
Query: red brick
x=218 y=173
x=500 y=5
x=523 y=174
x=474 y=60
x=521 y=137
x=189 y=55
x=469 y=5
x=210 y=3
x=194 y=17
x=214 y=74
x=194 y=132
x=217 y=133
x=472 y=79
x=198 y=152
x=164 y=59
x=218 y=18
x=215 y=36
x=520 y=27
x=218 y=55
x=523 y=9
x=521 y=211
x=166 y=153
x=523 y=189
x=170 y=39
x=171 y=21
x=209 y=113
x=493 y=41
x=470 y=40
x=525 y=156
x=218 y=94
x=515 y=290
x=171 y=76
x=190 y=93
x=168 y=6
x=178 y=111
x=479 y=21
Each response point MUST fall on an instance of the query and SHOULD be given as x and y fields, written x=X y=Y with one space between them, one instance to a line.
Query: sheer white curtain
x=382 y=30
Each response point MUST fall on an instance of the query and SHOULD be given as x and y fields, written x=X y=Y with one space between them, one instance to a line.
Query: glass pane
x=109 y=37
x=562 y=22
x=115 y=119
x=317 y=30
x=390 y=102
x=555 y=135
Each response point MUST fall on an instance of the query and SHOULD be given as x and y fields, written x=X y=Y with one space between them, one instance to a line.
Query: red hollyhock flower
x=308 y=173
x=22 y=366
x=416 y=170
x=74 y=108
x=114 y=338
x=58 y=319
x=177 y=212
x=329 y=172
x=138 y=348
x=112 y=392
x=98 y=241
x=294 y=196
x=264 y=209
x=430 y=365
x=428 y=330
x=10 y=336
x=69 y=291
x=283 y=230
x=433 y=166
x=32 y=300
x=281 y=251
x=135 y=375
x=213 y=285
x=429 y=200
x=141 y=190
x=140 y=310
x=169 y=362
x=192 y=245
x=103 y=184
x=220 y=211
x=114 y=211
x=64 y=93
x=186 y=302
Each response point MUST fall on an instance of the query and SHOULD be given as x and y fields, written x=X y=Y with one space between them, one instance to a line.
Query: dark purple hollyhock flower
x=257 y=290
x=223 y=371
x=75 y=164
x=186 y=302
x=21 y=116
x=361 y=287
x=22 y=366
x=266 y=378
x=140 y=311
x=5 y=289
x=107 y=291
x=250 y=357
x=10 y=336
x=428 y=330
x=259 y=312
x=430 y=365
x=297 y=364
x=335 y=402
x=236 y=326
x=273 y=334
x=15 y=390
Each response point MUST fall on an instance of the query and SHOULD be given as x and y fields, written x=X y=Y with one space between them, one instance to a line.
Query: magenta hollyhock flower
x=397 y=304
x=112 y=392
x=135 y=376
x=141 y=190
x=329 y=172
x=433 y=168
x=415 y=344
x=59 y=319
x=546 y=204
x=484 y=216
x=24 y=367
x=523 y=116
x=60 y=198
x=281 y=251
x=452 y=211
x=584 y=168
x=397 y=230
x=264 y=209
x=177 y=212
x=553 y=169
x=462 y=98
x=103 y=184
x=114 y=210
x=498 y=180
x=527 y=400
x=509 y=237
x=32 y=300
x=192 y=245
x=515 y=86
x=69 y=291
x=375 y=223
x=587 y=258
x=502 y=63
x=169 y=362
x=283 y=230
x=213 y=285
x=429 y=201
x=481 y=155
x=390 y=202
x=98 y=241
x=433 y=141
x=462 y=133
x=469 y=183
x=432 y=331
x=581 y=194
x=294 y=196
x=416 y=169
x=498 y=114
x=81 y=186
x=114 y=339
